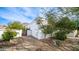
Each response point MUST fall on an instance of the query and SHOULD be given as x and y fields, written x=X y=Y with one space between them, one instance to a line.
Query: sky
x=22 y=14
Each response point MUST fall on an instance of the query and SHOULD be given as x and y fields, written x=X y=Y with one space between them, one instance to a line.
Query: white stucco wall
x=40 y=35
x=1 y=32
x=29 y=33
x=19 y=33
x=72 y=34
x=35 y=31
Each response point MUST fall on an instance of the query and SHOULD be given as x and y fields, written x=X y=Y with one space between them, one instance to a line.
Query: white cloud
x=18 y=14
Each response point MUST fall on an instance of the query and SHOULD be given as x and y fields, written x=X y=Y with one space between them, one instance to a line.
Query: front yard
x=25 y=44
x=32 y=44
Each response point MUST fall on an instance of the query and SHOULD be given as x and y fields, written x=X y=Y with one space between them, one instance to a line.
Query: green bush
x=61 y=35
x=76 y=48
x=8 y=34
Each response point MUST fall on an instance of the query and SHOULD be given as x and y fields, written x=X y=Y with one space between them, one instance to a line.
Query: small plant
x=58 y=43
x=61 y=35
x=8 y=34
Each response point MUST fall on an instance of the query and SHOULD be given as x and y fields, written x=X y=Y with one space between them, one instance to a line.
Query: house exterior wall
x=1 y=32
x=19 y=33
x=72 y=34
x=35 y=31
x=29 y=33
x=40 y=35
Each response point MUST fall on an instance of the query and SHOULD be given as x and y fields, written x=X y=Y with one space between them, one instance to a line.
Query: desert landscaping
x=56 y=30
x=32 y=44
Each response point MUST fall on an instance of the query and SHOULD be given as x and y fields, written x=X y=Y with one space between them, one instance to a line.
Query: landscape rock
x=13 y=41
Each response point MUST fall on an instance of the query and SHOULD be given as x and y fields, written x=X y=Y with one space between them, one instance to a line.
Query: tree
x=72 y=10
x=46 y=29
x=50 y=27
x=39 y=21
x=65 y=26
x=77 y=24
x=63 y=22
x=15 y=25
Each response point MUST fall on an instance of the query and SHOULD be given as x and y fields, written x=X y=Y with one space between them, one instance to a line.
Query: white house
x=35 y=31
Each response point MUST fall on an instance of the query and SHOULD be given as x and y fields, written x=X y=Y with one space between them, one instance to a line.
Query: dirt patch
x=28 y=44
x=32 y=44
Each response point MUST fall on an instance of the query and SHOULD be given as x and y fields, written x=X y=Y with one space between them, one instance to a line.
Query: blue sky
x=22 y=14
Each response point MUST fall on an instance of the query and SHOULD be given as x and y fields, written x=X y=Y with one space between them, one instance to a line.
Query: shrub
x=58 y=43
x=16 y=25
x=76 y=48
x=61 y=35
x=8 y=34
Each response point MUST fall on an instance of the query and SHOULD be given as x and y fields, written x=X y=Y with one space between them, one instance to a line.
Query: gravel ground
x=27 y=44
x=32 y=44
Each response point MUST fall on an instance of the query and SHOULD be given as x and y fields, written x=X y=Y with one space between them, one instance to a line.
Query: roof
x=2 y=26
x=25 y=23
